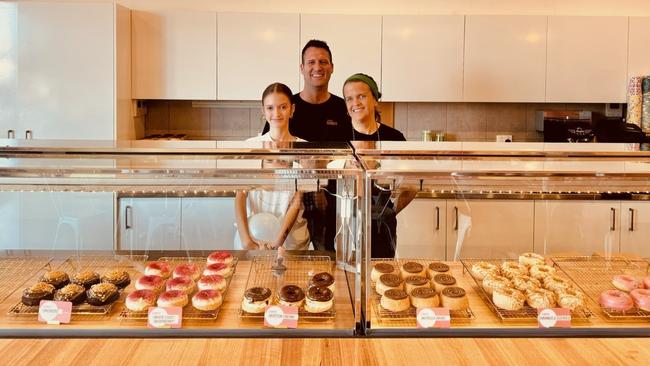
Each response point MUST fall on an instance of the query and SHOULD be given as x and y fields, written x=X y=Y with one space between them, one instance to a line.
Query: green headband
x=368 y=80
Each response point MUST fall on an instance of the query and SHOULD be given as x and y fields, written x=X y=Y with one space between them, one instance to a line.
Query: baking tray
x=15 y=271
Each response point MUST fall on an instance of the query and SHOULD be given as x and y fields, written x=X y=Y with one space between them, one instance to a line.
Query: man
x=322 y=117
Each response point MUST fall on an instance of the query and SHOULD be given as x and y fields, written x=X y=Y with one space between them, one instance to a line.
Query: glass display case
x=481 y=239
x=221 y=229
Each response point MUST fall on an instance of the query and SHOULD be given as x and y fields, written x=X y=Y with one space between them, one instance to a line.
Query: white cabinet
x=579 y=227
x=9 y=219
x=174 y=55
x=586 y=59
x=355 y=42
x=421 y=229
x=255 y=50
x=638 y=52
x=489 y=228
x=505 y=58
x=8 y=69
x=635 y=228
x=150 y=223
x=422 y=58
x=208 y=223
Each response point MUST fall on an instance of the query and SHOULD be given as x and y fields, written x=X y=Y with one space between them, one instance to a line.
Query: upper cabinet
x=638 y=51
x=505 y=58
x=174 y=55
x=422 y=58
x=255 y=50
x=355 y=42
x=587 y=59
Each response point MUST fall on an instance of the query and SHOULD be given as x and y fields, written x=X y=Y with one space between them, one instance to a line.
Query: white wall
x=533 y=7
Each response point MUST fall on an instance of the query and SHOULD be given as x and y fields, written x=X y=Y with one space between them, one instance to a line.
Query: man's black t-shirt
x=383 y=133
x=320 y=122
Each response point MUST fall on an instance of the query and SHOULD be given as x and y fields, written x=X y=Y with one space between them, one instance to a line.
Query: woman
x=291 y=231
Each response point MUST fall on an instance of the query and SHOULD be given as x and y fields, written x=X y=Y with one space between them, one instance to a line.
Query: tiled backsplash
x=459 y=121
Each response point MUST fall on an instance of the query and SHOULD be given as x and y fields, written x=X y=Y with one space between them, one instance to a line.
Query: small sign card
x=54 y=312
x=433 y=318
x=165 y=318
x=280 y=316
x=554 y=318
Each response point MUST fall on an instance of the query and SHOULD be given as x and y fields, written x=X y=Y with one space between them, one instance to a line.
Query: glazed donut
x=641 y=298
x=541 y=271
x=323 y=279
x=530 y=259
x=511 y=269
x=556 y=283
x=412 y=269
x=389 y=281
x=291 y=295
x=172 y=298
x=481 y=269
x=540 y=298
x=424 y=297
x=626 y=283
x=214 y=282
x=616 y=300
x=490 y=283
x=395 y=301
x=220 y=257
x=207 y=300
x=413 y=282
x=187 y=270
x=570 y=298
x=184 y=284
x=508 y=298
x=153 y=283
x=319 y=299
x=646 y=282
x=256 y=299
x=221 y=269
x=379 y=269
x=141 y=300
x=525 y=283
x=157 y=269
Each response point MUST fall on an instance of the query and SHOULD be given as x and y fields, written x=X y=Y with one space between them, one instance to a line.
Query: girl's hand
x=251 y=244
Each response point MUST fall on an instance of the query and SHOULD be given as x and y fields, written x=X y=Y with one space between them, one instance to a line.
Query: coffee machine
x=565 y=126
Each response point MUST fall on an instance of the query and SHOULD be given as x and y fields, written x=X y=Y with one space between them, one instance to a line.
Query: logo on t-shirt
x=331 y=122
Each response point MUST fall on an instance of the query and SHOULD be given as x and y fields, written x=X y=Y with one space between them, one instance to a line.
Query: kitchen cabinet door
x=208 y=223
x=255 y=50
x=635 y=228
x=422 y=58
x=150 y=223
x=174 y=55
x=577 y=227
x=9 y=220
x=489 y=228
x=421 y=229
x=505 y=58
x=8 y=68
x=355 y=42
x=638 y=52
x=586 y=59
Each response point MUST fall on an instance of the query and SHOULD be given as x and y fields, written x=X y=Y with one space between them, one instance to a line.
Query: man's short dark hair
x=317 y=44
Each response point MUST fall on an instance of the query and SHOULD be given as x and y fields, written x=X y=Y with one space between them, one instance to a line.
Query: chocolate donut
x=291 y=293
x=57 y=279
x=117 y=277
x=384 y=267
x=390 y=280
x=73 y=292
x=254 y=294
x=453 y=292
x=85 y=279
x=33 y=295
x=413 y=267
x=423 y=292
x=396 y=294
x=322 y=294
x=416 y=280
x=438 y=267
x=444 y=279
x=322 y=279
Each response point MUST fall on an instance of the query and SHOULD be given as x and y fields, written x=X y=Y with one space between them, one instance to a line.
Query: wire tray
x=299 y=271
x=407 y=318
x=16 y=271
x=189 y=312
x=97 y=263
x=527 y=313
x=594 y=275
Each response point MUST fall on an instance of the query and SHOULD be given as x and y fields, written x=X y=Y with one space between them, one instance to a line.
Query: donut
x=615 y=300
x=173 y=298
x=646 y=282
x=540 y=298
x=570 y=298
x=525 y=283
x=141 y=300
x=491 y=282
x=389 y=281
x=319 y=299
x=33 y=295
x=481 y=269
x=153 y=283
x=454 y=298
x=185 y=284
x=510 y=269
x=508 y=299
x=626 y=283
x=413 y=282
x=322 y=279
x=57 y=279
x=412 y=269
x=435 y=268
x=379 y=269
x=395 y=300
x=118 y=277
x=220 y=257
x=541 y=271
x=213 y=282
x=157 y=269
x=556 y=283
x=221 y=269
x=530 y=259
x=256 y=299
x=291 y=295
x=442 y=281
x=641 y=298
x=72 y=292
x=102 y=293
x=187 y=270
x=85 y=279
x=424 y=297
x=207 y=300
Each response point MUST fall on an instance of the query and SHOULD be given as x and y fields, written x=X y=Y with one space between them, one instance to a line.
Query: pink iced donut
x=157 y=269
x=641 y=298
x=153 y=283
x=185 y=284
x=213 y=282
x=646 y=282
x=616 y=300
x=221 y=269
x=187 y=270
x=626 y=283
x=140 y=300
x=220 y=257
x=172 y=298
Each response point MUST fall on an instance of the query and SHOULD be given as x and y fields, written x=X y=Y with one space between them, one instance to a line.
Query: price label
x=54 y=312
x=433 y=318
x=280 y=316
x=554 y=318
x=165 y=318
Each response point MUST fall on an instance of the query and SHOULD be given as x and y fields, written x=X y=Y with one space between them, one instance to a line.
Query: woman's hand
x=251 y=244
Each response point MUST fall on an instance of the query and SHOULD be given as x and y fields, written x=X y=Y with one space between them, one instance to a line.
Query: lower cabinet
x=421 y=229
x=635 y=228
x=208 y=223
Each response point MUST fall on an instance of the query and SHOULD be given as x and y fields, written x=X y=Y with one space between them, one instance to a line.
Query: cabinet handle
x=631 y=219
x=11 y=134
x=456 y=218
x=127 y=217
x=28 y=134
x=437 y=218
x=613 y=227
